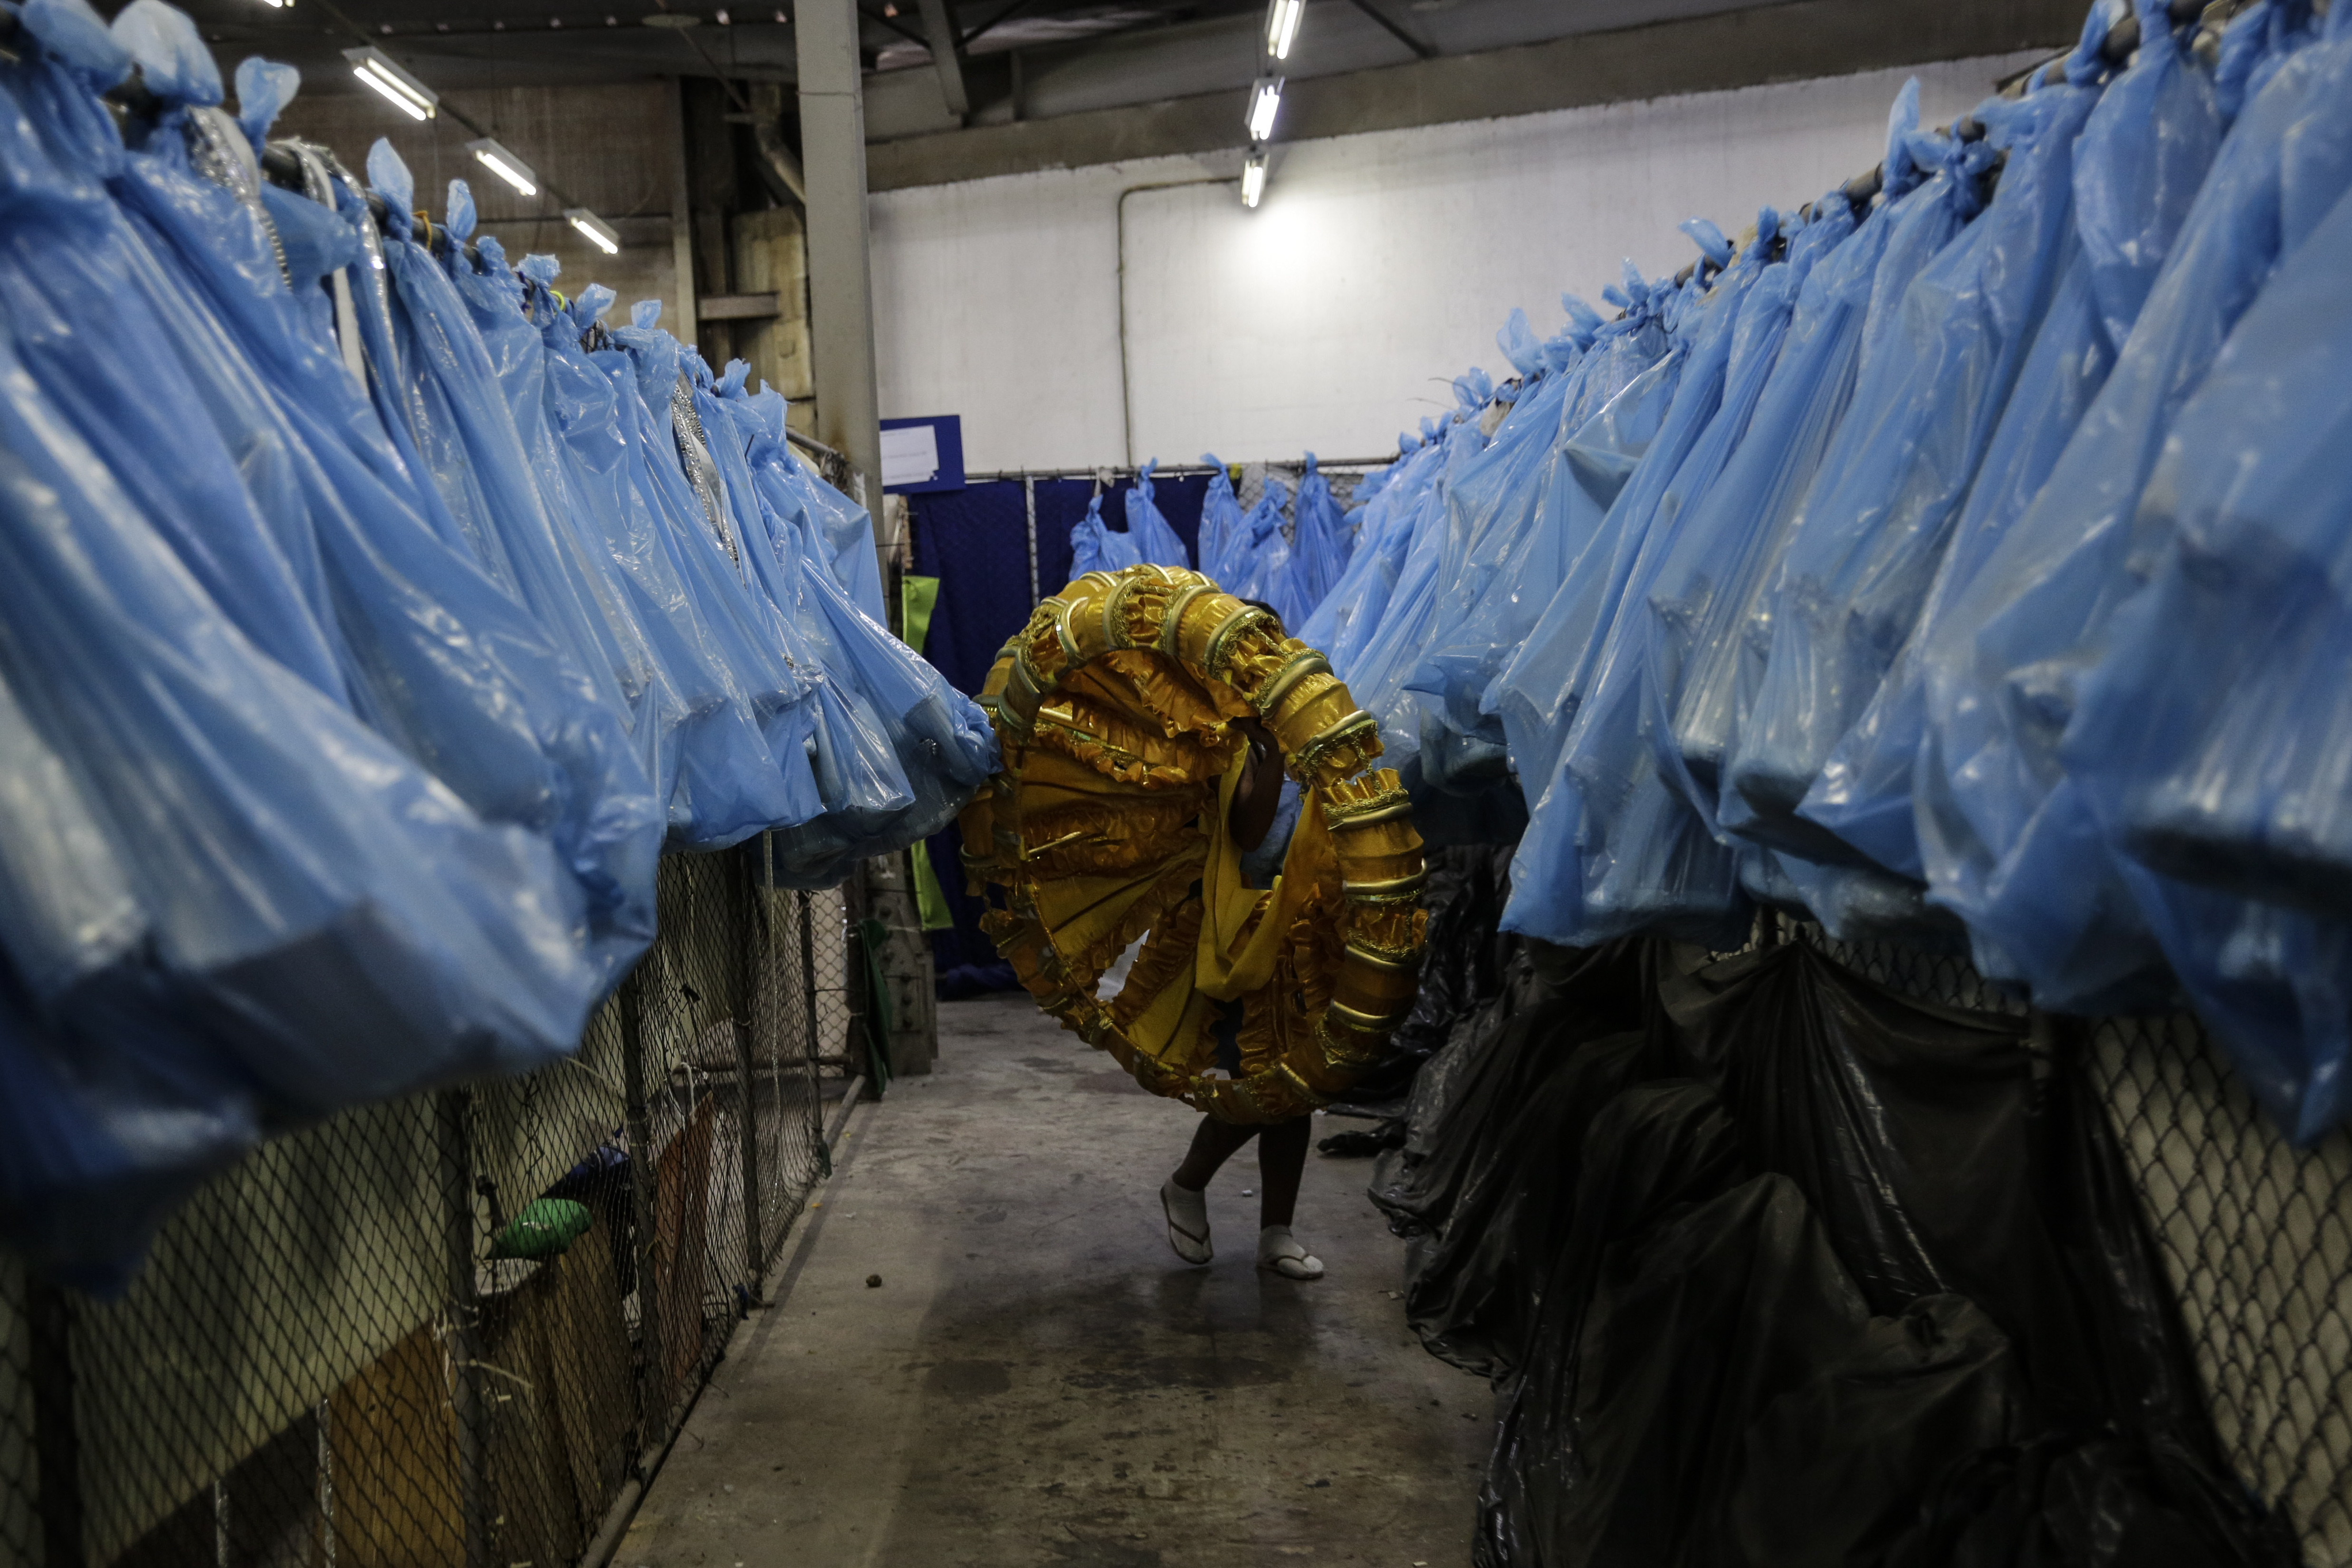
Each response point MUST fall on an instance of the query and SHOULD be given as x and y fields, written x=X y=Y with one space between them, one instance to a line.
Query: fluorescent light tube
x=1253 y=180
x=498 y=160
x=1266 y=99
x=375 y=67
x=1282 y=18
x=600 y=234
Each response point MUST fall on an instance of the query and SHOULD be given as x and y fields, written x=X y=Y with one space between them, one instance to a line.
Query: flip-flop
x=1278 y=1251
x=1192 y=1246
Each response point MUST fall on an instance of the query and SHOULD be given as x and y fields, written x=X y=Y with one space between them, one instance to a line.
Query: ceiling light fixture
x=1254 y=178
x=502 y=163
x=600 y=234
x=376 y=69
x=1266 y=101
x=277 y=5
x=1281 y=26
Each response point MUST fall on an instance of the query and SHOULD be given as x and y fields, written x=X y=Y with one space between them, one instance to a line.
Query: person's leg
x=1213 y=1143
x=1182 y=1198
x=1281 y=1163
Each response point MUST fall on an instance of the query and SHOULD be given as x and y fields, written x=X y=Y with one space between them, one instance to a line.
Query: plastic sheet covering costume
x=1543 y=679
x=1221 y=526
x=2211 y=742
x=1867 y=543
x=1269 y=577
x=1710 y=602
x=2010 y=839
x=1148 y=531
x=1533 y=500
x=1114 y=705
x=2137 y=166
x=1348 y=614
x=938 y=739
x=1319 y=542
x=1095 y=548
x=1610 y=848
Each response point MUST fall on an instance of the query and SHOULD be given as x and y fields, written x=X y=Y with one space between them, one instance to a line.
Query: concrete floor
x=1037 y=1379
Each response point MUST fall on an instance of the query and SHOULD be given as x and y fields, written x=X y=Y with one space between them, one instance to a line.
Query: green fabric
x=917 y=599
x=872 y=936
x=546 y=1228
x=931 y=899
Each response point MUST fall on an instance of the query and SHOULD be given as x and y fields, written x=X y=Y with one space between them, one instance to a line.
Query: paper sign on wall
x=924 y=454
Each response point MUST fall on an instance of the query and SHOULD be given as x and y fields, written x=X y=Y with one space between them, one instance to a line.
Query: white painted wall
x=1378 y=267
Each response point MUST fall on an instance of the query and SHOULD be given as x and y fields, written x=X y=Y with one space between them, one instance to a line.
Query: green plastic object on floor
x=545 y=1228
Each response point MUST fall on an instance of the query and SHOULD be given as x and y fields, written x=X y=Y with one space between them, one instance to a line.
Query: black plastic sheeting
x=1774 y=1266
x=1463 y=960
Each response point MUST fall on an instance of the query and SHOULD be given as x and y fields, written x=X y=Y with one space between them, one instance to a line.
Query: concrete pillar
x=840 y=285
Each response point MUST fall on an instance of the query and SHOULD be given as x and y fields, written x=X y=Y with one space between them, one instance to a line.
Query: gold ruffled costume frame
x=1114 y=705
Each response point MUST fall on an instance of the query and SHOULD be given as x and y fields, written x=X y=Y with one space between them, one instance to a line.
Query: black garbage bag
x=1869 y=1280
x=1726 y=1396
x=2065 y=1501
x=1551 y=997
x=1363 y=1143
x=1471 y=1289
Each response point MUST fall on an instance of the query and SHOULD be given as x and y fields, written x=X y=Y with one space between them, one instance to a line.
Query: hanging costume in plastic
x=1115 y=705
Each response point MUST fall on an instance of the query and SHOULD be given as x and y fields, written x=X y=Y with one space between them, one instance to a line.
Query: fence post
x=750 y=925
x=653 y=1412
x=453 y=1151
x=56 y=1437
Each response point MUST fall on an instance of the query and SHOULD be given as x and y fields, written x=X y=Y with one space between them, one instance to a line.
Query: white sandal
x=1278 y=1250
x=1188 y=1221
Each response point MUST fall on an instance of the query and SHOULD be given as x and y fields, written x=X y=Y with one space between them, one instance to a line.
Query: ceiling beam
x=1421 y=49
x=1796 y=41
x=947 y=56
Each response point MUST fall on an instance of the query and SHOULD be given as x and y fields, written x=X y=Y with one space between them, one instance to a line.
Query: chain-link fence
x=2255 y=1234
x=450 y=1330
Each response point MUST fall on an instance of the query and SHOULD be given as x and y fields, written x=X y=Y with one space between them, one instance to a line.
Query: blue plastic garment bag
x=941 y=740
x=431 y=655
x=1499 y=495
x=1221 y=526
x=1870 y=537
x=936 y=714
x=2211 y=741
x=854 y=781
x=85 y=330
x=1346 y=616
x=1148 y=531
x=1376 y=674
x=1267 y=550
x=471 y=446
x=2009 y=843
x=335 y=919
x=1636 y=377
x=1708 y=603
x=859 y=783
x=2137 y=167
x=1095 y=548
x=1609 y=848
x=726 y=783
x=1319 y=541
x=1537 y=692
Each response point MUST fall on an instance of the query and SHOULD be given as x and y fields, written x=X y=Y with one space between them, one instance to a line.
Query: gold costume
x=1111 y=820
